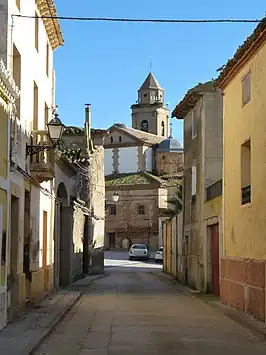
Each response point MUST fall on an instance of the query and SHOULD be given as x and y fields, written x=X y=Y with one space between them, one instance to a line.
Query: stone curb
x=34 y=345
x=256 y=327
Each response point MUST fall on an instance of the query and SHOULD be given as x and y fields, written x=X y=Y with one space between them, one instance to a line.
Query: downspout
x=203 y=233
x=8 y=191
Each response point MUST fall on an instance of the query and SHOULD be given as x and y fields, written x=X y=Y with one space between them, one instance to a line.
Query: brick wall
x=243 y=285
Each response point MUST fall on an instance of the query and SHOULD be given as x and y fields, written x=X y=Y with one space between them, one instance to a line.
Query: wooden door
x=3 y=290
x=215 y=259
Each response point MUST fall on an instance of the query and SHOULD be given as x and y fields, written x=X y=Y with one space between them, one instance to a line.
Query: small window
x=36 y=32
x=112 y=139
x=47 y=59
x=139 y=246
x=246 y=172
x=194 y=180
x=112 y=210
x=163 y=126
x=144 y=126
x=246 y=89
x=141 y=209
x=194 y=124
x=120 y=139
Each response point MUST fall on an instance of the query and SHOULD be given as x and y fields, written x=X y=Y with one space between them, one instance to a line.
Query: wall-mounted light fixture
x=55 y=131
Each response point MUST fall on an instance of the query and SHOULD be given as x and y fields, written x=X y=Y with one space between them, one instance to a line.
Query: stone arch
x=64 y=238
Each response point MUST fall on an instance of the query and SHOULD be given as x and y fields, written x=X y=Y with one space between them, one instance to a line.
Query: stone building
x=89 y=142
x=202 y=111
x=135 y=161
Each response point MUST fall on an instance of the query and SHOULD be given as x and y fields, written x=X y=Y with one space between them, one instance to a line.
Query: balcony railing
x=42 y=163
x=246 y=195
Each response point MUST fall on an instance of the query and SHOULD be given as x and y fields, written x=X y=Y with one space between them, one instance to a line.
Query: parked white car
x=138 y=251
x=159 y=255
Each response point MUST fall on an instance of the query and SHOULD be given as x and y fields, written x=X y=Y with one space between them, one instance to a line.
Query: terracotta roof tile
x=191 y=98
x=143 y=136
x=244 y=52
x=141 y=178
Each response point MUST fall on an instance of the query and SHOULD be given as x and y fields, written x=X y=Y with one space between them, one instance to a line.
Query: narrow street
x=135 y=310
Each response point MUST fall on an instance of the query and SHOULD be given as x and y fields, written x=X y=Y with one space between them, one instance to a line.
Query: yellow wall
x=3 y=171
x=245 y=226
x=213 y=208
x=3 y=141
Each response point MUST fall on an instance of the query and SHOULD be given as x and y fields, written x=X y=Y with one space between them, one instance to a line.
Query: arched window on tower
x=112 y=139
x=162 y=127
x=144 y=126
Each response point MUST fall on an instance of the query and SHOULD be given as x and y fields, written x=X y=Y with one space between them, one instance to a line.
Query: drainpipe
x=89 y=150
x=203 y=232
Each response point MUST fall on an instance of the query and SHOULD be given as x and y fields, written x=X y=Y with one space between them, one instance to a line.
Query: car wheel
x=130 y=258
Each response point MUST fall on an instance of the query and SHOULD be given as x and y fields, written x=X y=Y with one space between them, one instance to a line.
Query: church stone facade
x=137 y=161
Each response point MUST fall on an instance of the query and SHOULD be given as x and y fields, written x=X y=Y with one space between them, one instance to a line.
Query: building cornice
x=8 y=88
x=243 y=55
x=48 y=13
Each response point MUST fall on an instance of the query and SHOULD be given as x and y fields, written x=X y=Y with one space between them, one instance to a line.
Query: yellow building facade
x=8 y=94
x=243 y=83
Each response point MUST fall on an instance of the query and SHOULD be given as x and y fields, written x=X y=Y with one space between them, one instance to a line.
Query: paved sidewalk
x=24 y=335
x=257 y=327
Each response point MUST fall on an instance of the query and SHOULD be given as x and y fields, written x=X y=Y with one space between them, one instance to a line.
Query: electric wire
x=139 y=20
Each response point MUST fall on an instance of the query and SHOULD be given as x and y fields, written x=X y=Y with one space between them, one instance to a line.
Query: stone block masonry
x=243 y=285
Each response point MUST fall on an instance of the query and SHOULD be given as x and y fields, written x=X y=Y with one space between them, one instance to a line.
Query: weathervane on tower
x=150 y=64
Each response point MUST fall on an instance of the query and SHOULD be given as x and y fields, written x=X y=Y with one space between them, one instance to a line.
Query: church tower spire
x=149 y=113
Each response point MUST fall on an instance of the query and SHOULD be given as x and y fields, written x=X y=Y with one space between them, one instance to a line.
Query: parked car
x=138 y=251
x=159 y=255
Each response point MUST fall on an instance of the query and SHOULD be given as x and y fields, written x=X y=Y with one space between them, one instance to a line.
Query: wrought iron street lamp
x=55 y=131
x=115 y=197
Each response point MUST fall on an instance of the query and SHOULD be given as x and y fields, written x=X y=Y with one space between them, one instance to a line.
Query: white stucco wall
x=60 y=176
x=128 y=159
x=33 y=69
x=162 y=198
x=108 y=161
x=148 y=158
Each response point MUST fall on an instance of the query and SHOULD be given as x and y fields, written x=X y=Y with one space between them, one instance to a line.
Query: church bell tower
x=149 y=113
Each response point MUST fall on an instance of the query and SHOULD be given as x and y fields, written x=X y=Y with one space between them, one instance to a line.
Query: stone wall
x=77 y=240
x=97 y=195
x=168 y=162
x=243 y=285
x=127 y=222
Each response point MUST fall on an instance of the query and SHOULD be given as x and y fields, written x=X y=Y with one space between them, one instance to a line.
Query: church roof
x=140 y=135
x=170 y=145
x=150 y=83
x=128 y=179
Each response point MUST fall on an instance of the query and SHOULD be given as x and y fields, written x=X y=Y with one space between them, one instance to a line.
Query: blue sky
x=104 y=64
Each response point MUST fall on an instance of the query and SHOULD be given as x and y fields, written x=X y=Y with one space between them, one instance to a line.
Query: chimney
x=88 y=120
x=88 y=126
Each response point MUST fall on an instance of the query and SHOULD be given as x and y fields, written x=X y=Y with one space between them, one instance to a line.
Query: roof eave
x=229 y=72
x=186 y=105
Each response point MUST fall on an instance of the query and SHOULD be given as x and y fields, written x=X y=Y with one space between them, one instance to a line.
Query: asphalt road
x=136 y=310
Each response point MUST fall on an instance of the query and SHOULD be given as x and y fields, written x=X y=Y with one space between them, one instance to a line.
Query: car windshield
x=160 y=249
x=138 y=246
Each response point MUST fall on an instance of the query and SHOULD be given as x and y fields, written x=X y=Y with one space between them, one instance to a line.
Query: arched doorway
x=64 y=236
